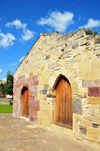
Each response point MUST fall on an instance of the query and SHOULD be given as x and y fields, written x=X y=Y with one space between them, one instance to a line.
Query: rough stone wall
x=5 y=101
x=77 y=57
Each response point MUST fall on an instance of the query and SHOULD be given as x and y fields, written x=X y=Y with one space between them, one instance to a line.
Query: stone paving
x=17 y=134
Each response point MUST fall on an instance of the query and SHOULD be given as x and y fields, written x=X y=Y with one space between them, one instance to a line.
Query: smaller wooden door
x=63 y=103
x=25 y=103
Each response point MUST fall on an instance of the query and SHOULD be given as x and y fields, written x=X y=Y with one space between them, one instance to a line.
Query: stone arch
x=57 y=80
x=69 y=75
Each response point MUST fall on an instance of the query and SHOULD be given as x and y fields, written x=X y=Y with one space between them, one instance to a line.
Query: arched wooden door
x=63 y=103
x=25 y=103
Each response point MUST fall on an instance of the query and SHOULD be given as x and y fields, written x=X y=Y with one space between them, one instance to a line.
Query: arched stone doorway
x=25 y=101
x=63 y=103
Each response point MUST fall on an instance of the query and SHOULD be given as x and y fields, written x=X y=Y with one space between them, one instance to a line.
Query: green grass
x=6 y=108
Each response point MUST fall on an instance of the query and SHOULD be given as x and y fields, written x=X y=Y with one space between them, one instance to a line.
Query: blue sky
x=22 y=21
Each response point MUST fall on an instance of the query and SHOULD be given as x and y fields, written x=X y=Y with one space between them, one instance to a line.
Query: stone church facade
x=57 y=85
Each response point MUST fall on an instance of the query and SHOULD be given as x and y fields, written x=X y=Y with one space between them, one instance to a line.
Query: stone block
x=96 y=119
x=36 y=83
x=53 y=65
x=92 y=133
x=83 y=42
x=85 y=92
x=99 y=109
x=78 y=136
x=86 y=66
x=40 y=97
x=72 y=42
x=85 y=122
x=71 y=66
x=82 y=129
x=80 y=67
x=75 y=122
x=75 y=52
x=46 y=67
x=35 y=73
x=84 y=83
x=93 y=74
x=90 y=83
x=97 y=83
x=46 y=86
x=47 y=57
x=87 y=55
x=42 y=69
x=93 y=100
x=84 y=76
x=44 y=91
x=97 y=41
x=93 y=91
x=74 y=88
x=92 y=110
x=79 y=58
x=77 y=105
x=53 y=54
x=95 y=64
x=43 y=102
x=86 y=109
x=87 y=117
x=75 y=46
x=51 y=116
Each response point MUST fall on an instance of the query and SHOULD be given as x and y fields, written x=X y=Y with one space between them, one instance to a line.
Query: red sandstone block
x=14 y=93
x=36 y=83
x=37 y=108
x=23 y=76
x=30 y=78
x=34 y=114
x=31 y=118
x=31 y=74
x=35 y=93
x=94 y=91
x=32 y=98
x=33 y=78
x=31 y=83
x=36 y=77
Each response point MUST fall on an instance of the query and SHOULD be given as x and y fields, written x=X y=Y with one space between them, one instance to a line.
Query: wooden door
x=63 y=103
x=25 y=103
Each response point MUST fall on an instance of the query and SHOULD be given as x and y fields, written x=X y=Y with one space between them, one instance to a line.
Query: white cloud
x=0 y=70
x=59 y=21
x=91 y=23
x=21 y=58
x=17 y=23
x=6 y=40
x=80 y=18
x=28 y=34
x=13 y=64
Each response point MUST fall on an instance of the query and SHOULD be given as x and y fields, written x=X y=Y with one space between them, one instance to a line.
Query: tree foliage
x=2 y=88
x=88 y=31
x=7 y=87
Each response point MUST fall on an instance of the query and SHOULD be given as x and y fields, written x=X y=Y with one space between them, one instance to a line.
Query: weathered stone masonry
x=75 y=56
